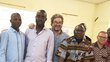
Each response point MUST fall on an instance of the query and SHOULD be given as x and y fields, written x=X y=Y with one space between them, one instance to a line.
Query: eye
x=103 y=37
x=15 y=19
x=19 y=19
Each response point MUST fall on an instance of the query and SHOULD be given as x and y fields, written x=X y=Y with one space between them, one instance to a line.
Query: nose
x=58 y=23
x=18 y=20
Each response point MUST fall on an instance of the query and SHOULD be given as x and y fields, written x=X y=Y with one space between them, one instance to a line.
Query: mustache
x=40 y=23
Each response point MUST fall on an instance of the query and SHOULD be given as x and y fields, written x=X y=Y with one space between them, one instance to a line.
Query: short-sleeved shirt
x=76 y=51
x=100 y=54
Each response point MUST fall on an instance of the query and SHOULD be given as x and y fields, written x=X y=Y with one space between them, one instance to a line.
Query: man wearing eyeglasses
x=99 y=48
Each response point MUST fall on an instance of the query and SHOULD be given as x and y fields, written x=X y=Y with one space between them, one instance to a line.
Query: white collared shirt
x=12 y=46
x=40 y=46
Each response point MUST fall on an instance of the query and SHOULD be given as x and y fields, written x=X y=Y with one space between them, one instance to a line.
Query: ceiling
x=95 y=1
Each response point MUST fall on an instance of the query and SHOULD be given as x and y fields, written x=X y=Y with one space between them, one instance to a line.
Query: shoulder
x=5 y=33
x=65 y=34
x=22 y=33
x=68 y=40
x=48 y=30
x=28 y=30
x=88 y=38
x=94 y=44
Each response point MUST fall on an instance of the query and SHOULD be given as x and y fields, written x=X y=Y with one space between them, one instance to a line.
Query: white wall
x=103 y=12
x=5 y=14
x=85 y=11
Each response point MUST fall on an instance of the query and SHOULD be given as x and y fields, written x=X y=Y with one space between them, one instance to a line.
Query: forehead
x=41 y=14
x=79 y=28
x=102 y=34
x=58 y=19
x=15 y=15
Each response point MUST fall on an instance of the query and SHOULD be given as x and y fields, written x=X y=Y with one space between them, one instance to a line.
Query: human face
x=102 y=37
x=16 y=21
x=40 y=19
x=79 y=32
x=57 y=24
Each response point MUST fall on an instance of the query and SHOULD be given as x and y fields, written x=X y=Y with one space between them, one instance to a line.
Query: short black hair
x=14 y=14
x=41 y=11
x=108 y=30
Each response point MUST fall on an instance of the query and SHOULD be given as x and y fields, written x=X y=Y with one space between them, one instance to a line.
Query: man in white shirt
x=12 y=41
x=40 y=41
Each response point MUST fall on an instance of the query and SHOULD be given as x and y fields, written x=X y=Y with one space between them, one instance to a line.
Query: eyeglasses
x=79 y=31
x=103 y=37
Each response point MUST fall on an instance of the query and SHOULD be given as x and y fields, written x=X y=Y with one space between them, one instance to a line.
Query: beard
x=57 y=28
x=40 y=23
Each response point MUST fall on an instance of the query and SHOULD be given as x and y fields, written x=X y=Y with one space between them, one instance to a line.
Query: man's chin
x=57 y=30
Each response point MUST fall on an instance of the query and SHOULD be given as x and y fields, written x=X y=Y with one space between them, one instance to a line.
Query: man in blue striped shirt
x=12 y=41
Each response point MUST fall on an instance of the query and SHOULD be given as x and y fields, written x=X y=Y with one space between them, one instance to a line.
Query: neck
x=57 y=32
x=17 y=29
x=100 y=45
x=39 y=29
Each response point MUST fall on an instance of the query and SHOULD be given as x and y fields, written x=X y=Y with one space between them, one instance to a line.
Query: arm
x=50 y=48
x=61 y=59
x=62 y=52
x=89 y=56
x=3 y=46
x=26 y=43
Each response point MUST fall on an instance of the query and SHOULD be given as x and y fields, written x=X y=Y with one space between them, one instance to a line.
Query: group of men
x=41 y=44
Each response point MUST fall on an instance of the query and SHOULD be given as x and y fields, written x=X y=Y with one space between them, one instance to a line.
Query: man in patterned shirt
x=99 y=49
x=76 y=48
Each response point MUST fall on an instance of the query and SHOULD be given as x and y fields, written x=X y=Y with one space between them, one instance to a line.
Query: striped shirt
x=100 y=54
x=76 y=51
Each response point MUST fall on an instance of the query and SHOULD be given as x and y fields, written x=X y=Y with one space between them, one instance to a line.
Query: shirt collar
x=44 y=28
x=96 y=45
x=83 y=40
x=53 y=30
x=41 y=30
x=14 y=30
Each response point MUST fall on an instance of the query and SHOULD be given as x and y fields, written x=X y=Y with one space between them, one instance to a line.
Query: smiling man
x=12 y=41
x=57 y=23
x=99 y=48
x=76 y=47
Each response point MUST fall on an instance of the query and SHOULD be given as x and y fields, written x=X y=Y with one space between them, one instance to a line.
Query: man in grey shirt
x=59 y=35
